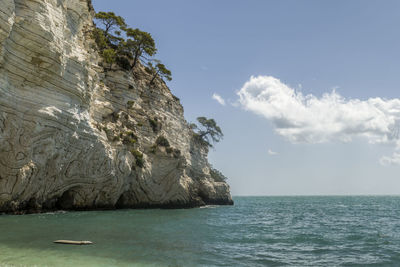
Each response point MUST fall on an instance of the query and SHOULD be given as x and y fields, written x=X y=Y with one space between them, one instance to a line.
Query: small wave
x=55 y=212
x=209 y=207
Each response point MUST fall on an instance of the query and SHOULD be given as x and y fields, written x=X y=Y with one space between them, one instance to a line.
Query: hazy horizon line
x=320 y=195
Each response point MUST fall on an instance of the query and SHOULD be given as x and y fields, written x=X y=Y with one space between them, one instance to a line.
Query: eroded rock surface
x=73 y=136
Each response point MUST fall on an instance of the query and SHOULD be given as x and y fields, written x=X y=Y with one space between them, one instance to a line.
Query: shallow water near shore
x=256 y=231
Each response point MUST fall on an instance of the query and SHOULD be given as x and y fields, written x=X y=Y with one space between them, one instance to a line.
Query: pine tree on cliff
x=110 y=21
x=140 y=44
x=108 y=38
x=208 y=131
x=158 y=69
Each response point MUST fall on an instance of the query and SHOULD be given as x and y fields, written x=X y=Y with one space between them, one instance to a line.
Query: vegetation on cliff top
x=126 y=46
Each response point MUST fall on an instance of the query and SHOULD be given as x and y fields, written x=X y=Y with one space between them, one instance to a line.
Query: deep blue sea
x=256 y=231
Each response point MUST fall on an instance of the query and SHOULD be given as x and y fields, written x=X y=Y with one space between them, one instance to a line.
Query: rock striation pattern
x=74 y=136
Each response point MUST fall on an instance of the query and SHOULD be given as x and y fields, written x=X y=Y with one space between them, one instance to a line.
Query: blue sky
x=296 y=48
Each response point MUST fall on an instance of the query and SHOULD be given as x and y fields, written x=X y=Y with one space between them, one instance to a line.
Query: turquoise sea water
x=257 y=231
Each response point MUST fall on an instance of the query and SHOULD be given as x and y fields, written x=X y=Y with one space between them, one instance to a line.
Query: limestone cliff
x=73 y=136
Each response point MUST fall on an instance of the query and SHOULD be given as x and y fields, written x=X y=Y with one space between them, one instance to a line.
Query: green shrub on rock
x=138 y=157
x=176 y=152
x=217 y=175
x=162 y=141
x=129 y=138
x=130 y=103
x=154 y=124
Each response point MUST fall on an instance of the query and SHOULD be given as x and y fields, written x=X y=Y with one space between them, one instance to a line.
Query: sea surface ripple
x=256 y=231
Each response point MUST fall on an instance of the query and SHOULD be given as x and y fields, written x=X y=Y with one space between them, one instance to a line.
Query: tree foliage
x=140 y=44
x=108 y=38
x=158 y=69
x=217 y=175
x=100 y=39
x=110 y=21
x=207 y=130
x=109 y=56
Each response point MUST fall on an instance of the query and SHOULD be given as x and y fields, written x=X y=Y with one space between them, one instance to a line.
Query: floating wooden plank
x=72 y=242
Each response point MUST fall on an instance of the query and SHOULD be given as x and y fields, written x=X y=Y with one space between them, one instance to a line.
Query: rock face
x=73 y=136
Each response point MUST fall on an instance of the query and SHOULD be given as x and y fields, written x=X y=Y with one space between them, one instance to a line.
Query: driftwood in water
x=71 y=242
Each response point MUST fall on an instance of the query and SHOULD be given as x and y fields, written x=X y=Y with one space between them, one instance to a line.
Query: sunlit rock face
x=73 y=136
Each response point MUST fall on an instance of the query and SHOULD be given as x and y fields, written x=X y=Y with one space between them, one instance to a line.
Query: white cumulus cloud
x=219 y=99
x=310 y=119
x=391 y=160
